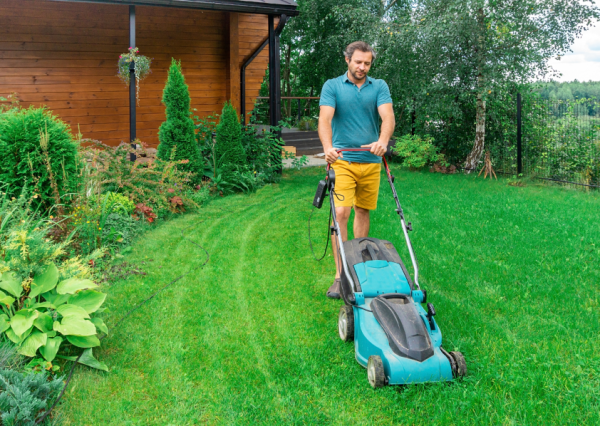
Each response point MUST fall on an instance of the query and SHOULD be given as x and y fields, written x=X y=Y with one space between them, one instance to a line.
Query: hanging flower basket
x=142 y=68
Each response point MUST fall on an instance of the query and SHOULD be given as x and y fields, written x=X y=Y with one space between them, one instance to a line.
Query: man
x=348 y=119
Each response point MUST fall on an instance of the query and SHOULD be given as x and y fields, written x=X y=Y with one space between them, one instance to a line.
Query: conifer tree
x=178 y=130
x=229 y=148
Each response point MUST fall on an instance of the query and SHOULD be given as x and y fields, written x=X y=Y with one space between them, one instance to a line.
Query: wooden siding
x=64 y=56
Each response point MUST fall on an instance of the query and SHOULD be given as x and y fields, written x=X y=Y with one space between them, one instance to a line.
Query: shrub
x=152 y=184
x=263 y=153
x=118 y=203
x=201 y=195
x=24 y=397
x=307 y=124
x=177 y=134
x=228 y=149
x=119 y=230
x=416 y=152
x=37 y=151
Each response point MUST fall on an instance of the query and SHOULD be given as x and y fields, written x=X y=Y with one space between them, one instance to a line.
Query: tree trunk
x=475 y=154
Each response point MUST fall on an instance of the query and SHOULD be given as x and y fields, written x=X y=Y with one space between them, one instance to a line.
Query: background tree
x=495 y=43
x=178 y=131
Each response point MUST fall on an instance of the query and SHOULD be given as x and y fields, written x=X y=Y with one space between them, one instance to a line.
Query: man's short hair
x=358 y=45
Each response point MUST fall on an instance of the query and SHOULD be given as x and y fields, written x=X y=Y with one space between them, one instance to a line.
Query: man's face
x=360 y=64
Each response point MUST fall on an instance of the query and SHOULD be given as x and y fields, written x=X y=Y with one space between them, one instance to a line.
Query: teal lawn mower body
x=397 y=340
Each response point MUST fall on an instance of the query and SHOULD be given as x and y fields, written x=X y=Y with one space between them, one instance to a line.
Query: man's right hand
x=331 y=155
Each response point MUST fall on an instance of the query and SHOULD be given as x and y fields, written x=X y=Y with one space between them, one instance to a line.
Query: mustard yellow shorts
x=357 y=184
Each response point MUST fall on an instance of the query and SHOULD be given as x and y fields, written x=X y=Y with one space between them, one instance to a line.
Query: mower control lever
x=430 y=315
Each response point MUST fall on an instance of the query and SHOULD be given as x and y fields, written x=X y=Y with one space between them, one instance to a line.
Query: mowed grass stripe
x=251 y=339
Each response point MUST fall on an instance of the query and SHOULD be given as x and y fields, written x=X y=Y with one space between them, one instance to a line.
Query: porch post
x=233 y=59
x=274 y=76
x=274 y=73
x=132 y=100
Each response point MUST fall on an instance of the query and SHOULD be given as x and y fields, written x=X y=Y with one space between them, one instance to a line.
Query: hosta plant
x=47 y=301
x=42 y=313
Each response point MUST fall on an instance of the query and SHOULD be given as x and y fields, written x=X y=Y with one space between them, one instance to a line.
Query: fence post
x=299 y=110
x=519 y=137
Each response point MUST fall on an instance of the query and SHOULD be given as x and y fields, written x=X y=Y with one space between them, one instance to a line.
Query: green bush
x=154 y=184
x=118 y=203
x=229 y=150
x=201 y=196
x=263 y=153
x=37 y=151
x=307 y=124
x=24 y=397
x=177 y=134
x=416 y=152
x=119 y=230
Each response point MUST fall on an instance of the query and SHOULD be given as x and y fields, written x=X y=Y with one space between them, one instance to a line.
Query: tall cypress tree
x=179 y=128
x=229 y=148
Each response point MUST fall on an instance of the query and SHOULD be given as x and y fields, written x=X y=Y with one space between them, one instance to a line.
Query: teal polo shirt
x=356 y=119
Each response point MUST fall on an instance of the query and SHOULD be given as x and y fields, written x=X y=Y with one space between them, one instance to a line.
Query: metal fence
x=296 y=110
x=556 y=141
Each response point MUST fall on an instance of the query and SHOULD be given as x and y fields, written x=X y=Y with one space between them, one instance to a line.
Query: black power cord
x=340 y=198
x=124 y=317
x=327 y=238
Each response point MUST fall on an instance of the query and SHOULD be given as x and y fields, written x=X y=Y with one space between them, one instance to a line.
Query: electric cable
x=340 y=198
x=327 y=238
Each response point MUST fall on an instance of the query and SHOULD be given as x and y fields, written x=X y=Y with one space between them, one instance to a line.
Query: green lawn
x=251 y=339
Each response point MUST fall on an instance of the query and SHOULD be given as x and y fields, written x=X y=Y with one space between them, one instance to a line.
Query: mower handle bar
x=398 y=210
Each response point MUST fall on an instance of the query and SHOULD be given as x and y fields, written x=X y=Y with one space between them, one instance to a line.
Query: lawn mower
x=394 y=337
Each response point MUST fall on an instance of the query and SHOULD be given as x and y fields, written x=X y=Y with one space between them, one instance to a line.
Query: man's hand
x=377 y=148
x=331 y=155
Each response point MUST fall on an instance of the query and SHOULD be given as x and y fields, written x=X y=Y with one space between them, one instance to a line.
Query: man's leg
x=361 y=222
x=343 y=214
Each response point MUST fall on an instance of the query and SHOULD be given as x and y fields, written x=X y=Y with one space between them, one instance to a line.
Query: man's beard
x=357 y=78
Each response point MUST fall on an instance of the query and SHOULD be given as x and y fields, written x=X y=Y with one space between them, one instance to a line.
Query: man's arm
x=326 y=133
x=388 y=124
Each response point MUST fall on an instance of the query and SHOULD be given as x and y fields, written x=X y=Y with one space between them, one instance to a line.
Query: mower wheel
x=461 y=364
x=375 y=372
x=346 y=323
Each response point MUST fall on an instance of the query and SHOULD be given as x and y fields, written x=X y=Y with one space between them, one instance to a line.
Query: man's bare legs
x=361 y=229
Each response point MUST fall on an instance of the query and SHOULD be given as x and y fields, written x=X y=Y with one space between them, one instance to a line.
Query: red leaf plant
x=144 y=211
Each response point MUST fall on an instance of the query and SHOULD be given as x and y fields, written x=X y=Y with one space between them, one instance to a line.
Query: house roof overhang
x=264 y=7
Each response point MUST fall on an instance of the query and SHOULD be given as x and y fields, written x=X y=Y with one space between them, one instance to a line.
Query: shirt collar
x=345 y=78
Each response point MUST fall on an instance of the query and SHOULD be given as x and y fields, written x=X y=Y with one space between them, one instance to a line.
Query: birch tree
x=497 y=42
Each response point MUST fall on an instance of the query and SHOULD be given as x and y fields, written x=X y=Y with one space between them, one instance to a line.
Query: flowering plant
x=142 y=68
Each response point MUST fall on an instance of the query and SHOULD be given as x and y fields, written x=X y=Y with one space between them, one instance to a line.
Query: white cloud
x=583 y=63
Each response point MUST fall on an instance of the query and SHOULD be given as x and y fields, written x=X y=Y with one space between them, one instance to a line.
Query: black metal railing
x=553 y=140
x=294 y=109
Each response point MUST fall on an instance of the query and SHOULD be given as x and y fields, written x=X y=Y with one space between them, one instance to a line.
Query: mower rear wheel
x=375 y=372
x=346 y=323
x=461 y=364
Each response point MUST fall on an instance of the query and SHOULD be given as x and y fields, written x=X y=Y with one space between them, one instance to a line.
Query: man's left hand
x=377 y=148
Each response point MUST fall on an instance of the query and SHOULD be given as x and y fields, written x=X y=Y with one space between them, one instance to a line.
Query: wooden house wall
x=64 y=56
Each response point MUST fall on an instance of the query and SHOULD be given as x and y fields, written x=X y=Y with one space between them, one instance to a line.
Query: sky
x=583 y=63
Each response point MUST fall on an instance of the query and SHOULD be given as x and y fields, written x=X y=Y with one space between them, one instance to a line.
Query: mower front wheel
x=375 y=372
x=346 y=323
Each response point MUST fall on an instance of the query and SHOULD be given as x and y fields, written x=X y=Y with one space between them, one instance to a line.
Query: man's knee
x=342 y=213
x=362 y=213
